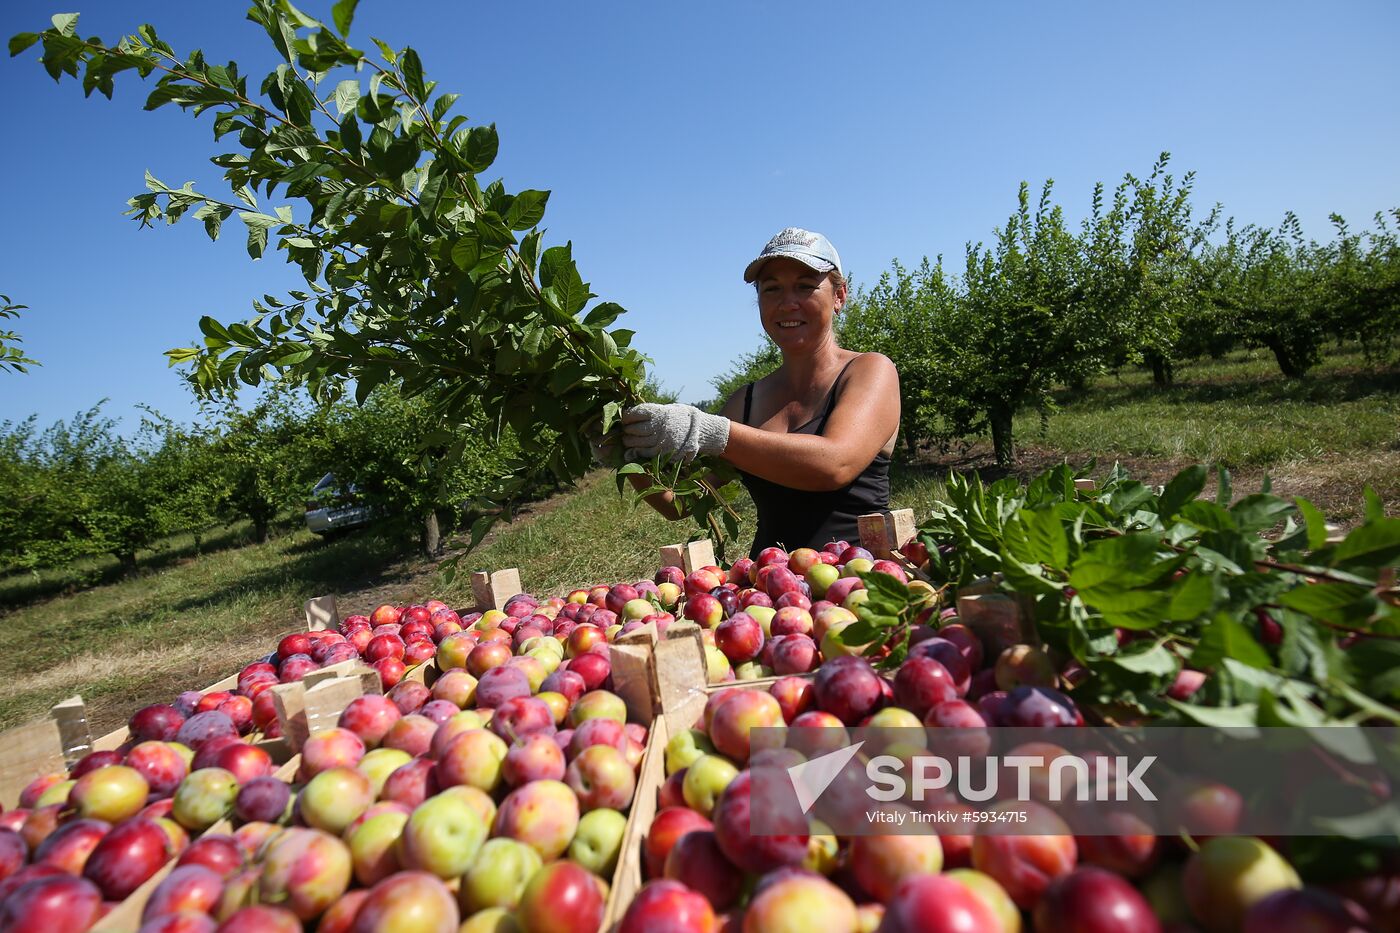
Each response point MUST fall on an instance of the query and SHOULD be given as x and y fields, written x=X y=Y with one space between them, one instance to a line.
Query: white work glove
x=682 y=431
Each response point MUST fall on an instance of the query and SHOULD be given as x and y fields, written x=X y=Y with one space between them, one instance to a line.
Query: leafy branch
x=418 y=274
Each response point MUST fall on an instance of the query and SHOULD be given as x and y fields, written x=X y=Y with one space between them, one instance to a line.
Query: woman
x=812 y=440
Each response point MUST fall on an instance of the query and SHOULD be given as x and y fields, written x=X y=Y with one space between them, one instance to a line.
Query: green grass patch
x=1239 y=412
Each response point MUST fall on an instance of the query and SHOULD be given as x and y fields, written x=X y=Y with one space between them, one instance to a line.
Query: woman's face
x=796 y=304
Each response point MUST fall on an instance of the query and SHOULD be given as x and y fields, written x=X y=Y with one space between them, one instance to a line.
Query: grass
x=1239 y=412
x=186 y=619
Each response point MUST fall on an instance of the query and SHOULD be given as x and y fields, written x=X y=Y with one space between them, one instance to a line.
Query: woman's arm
x=866 y=416
x=665 y=502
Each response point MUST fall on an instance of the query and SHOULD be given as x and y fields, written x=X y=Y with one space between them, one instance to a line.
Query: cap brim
x=807 y=259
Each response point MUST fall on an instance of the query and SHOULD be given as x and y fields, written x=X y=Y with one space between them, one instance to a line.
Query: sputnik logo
x=811 y=778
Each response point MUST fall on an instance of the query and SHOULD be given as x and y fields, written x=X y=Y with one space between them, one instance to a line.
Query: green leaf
x=413 y=75
x=1323 y=600
x=1226 y=637
x=347 y=96
x=292 y=359
x=1181 y=489
x=1220 y=717
x=1259 y=511
x=1316 y=523
x=65 y=23
x=1376 y=544
x=1155 y=660
x=527 y=209
x=481 y=147
x=1207 y=516
x=603 y=314
x=1223 y=490
x=22 y=41
x=386 y=50
x=1192 y=598
x=343 y=14
x=442 y=104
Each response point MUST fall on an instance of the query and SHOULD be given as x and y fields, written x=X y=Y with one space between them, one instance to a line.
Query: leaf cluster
x=419 y=272
x=1135 y=582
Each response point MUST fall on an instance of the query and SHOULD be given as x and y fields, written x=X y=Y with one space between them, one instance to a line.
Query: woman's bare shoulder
x=868 y=365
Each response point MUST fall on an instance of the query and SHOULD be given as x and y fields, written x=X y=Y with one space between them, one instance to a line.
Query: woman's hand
x=683 y=431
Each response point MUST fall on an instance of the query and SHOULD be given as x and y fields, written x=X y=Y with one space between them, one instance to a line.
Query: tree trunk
x=431 y=537
x=911 y=445
x=260 y=527
x=1287 y=362
x=127 y=559
x=1162 y=373
x=1002 y=442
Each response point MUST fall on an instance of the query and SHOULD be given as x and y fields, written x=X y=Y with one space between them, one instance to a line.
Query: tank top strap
x=831 y=400
x=748 y=402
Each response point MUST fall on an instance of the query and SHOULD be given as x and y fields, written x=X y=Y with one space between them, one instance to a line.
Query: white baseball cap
x=810 y=249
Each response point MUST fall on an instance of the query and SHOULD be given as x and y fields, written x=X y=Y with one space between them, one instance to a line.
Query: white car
x=332 y=507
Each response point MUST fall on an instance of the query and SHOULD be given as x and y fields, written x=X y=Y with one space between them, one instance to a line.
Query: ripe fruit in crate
x=737 y=716
x=112 y=793
x=374 y=844
x=740 y=637
x=187 y=888
x=666 y=904
x=333 y=799
x=443 y=836
x=500 y=684
x=800 y=901
x=56 y=904
x=408 y=900
x=413 y=734
x=704 y=609
x=1091 y=900
x=521 y=716
x=204 y=797
x=1228 y=875
x=333 y=748
x=759 y=853
x=1026 y=864
x=541 y=814
x=474 y=759
x=601 y=778
x=304 y=870
x=594 y=668
x=696 y=861
x=1305 y=910
x=202 y=727
x=263 y=799
x=126 y=857
x=219 y=853
x=1024 y=664
x=879 y=863
x=848 y=688
x=939 y=904
x=369 y=717
x=158 y=723
x=562 y=897
x=67 y=847
x=498 y=876
x=1038 y=707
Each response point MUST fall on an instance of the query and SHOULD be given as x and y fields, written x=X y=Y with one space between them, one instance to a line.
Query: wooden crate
x=627 y=878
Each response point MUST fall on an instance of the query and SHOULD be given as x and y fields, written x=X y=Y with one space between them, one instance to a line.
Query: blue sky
x=676 y=138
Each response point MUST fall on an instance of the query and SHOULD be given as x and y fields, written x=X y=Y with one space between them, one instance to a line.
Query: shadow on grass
x=1340 y=385
x=22 y=588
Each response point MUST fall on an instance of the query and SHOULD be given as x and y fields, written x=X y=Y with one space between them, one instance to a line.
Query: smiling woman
x=812 y=440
